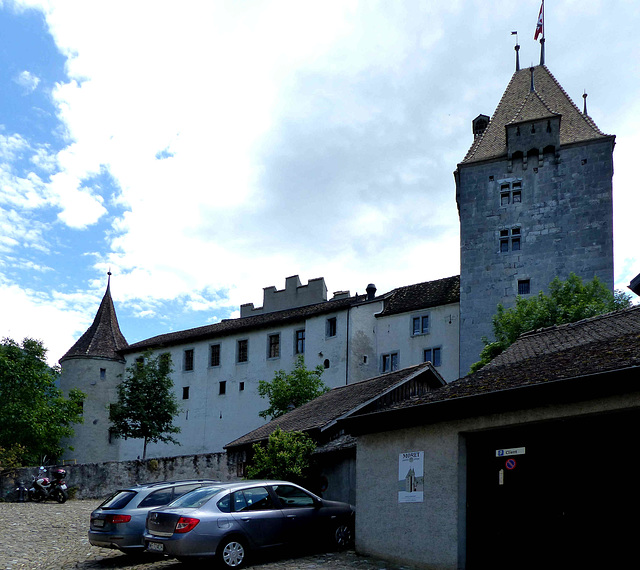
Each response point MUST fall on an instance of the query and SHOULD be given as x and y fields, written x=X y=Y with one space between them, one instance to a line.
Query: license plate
x=155 y=546
x=63 y=486
x=98 y=523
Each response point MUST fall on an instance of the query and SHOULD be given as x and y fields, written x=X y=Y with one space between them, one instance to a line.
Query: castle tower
x=94 y=365
x=534 y=196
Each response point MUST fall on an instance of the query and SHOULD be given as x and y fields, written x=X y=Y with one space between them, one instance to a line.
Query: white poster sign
x=411 y=477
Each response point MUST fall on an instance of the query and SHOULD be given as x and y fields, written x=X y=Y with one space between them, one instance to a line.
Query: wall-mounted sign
x=509 y=451
x=411 y=477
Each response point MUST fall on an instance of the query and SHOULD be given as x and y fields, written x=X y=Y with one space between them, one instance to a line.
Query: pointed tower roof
x=103 y=338
x=522 y=103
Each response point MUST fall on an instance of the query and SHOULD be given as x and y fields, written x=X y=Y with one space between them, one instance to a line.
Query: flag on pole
x=540 y=24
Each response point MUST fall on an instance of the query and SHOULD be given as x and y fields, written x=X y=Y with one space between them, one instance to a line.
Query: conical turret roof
x=103 y=338
x=520 y=103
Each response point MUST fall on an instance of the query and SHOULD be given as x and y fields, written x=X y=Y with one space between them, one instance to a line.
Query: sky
x=203 y=150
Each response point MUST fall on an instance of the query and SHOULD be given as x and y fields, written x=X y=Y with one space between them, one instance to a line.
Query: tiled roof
x=103 y=338
x=600 y=344
x=518 y=104
x=325 y=409
x=402 y=299
x=231 y=326
x=422 y=296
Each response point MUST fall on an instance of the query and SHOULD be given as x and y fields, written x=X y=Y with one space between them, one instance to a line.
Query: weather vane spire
x=517 y=48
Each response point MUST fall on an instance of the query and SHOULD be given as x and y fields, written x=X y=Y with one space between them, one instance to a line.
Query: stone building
x=217 y=367
x=534 y=196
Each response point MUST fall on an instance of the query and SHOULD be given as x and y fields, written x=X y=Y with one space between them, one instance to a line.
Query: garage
x=558 y=494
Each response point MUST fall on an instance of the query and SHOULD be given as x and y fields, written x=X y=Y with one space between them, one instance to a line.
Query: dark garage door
x=555 y=495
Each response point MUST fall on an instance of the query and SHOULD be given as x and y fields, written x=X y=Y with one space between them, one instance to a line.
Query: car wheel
x=343 y=535
x=232 y=553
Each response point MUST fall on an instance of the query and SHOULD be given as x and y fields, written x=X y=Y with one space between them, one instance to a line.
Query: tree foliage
x=285 y=456
x=34 y=414
x=567 y=302
x=288 y=391
x=146 y=403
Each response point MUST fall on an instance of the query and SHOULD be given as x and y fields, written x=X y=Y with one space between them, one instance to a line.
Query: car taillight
x=118 y=519
x=185 y=524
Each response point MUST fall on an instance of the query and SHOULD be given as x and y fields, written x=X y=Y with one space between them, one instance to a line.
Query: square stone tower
x=534 y=196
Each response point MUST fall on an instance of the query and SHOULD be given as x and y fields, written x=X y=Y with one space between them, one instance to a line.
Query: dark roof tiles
x=328 y=407
x=518 y=104
x=422 y=296
x=600 y=344
x=103 y=339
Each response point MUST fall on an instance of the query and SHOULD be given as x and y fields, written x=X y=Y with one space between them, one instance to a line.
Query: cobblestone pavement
x=49 y=536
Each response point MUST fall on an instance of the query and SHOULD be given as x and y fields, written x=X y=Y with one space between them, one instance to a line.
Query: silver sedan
x=230 y=520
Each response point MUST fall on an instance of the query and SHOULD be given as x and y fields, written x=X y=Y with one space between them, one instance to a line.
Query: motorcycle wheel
x=37 y=497
x=61 y=496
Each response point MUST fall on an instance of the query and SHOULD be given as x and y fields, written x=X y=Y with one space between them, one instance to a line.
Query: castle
x=534 y=195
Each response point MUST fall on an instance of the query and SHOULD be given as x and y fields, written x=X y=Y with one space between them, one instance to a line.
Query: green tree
x=567 y=302
x=288 y=391
x=285 y=456
x=34 y=414
x=146 y=403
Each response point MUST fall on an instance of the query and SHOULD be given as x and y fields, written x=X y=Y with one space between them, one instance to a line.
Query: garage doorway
x=561 y=494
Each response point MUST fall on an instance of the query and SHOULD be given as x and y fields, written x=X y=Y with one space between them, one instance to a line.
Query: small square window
x=504 y=233
x=390 y=362
x=504 y=246
x=185 y=393
x=214 y=355
x=515 y=231
x=243 y=351
x=515 y=244
x=517 y=197
x=433 y=355
x=420 y=325
x=504 y=199
x=223 y=388
x=332 y=326
x=524 y=287
x=188 y=360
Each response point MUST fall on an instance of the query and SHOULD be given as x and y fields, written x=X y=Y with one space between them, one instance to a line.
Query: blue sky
x=203 y=150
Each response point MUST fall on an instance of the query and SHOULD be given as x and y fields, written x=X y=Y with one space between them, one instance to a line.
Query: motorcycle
x=44 y=488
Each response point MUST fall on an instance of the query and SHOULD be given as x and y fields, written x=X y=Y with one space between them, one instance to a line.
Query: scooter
x=44 y=488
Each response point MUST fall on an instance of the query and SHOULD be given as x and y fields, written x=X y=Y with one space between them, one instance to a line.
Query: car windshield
x=196 y=498
x=118 y=500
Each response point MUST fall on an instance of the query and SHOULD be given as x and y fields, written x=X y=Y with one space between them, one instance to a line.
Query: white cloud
x=27 y=80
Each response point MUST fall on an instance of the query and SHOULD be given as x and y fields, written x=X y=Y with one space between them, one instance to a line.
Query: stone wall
x=98 y=480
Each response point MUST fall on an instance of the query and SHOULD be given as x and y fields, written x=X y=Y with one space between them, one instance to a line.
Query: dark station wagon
x=119 y=521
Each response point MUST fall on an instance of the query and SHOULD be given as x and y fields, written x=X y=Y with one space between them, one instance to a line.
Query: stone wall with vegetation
x=98 y=480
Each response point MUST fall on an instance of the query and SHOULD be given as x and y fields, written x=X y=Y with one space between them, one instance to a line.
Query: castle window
x=103 y=373
x=214 y=355
x=300 y=337
x=511 y=192
x=241 y=386
x=242 y=354
x=273 y=346
x=332 y=326
x=389 y=362
x=188 y=360
x=185 y=393
x=433 y=355
x=420 y=325
x=524 y=286
x=223 y=388
x=510 y=240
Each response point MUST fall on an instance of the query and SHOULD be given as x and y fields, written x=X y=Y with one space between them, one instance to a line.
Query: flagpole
x=542 y=38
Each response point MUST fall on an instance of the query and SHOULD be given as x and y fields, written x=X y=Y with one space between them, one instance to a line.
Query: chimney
x=371 y=291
